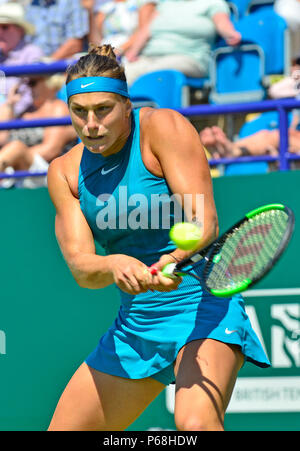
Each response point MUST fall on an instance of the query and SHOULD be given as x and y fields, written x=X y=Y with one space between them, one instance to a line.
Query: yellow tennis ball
x=186 y=235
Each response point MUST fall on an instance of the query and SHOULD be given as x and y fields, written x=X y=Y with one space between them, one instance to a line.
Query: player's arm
x=73 y=234
x=77 y=245
x=176 y=144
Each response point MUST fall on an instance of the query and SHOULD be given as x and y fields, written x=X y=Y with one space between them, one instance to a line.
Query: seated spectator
x=288 y=86
x=181 y=36
x=33 y=149
x=15 y=51
x=263 y=142
x=61 y=26
x=118 y=22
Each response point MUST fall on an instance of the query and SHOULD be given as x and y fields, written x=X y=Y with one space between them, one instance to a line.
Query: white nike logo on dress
x=228 y=332
x=89 y=84
x=104 y=172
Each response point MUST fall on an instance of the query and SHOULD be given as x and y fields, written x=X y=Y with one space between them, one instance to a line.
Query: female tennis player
x=166 y=331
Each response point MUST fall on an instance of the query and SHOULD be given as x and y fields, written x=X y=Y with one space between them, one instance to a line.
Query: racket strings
x=247 y=251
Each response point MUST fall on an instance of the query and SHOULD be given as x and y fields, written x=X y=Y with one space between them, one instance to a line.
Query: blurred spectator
x=287 y=86
x=14 y=51
x=263 y=142
x=24 y=3
x=61 y=26
x=33 y=148
x=290 y=11
x=118 y=22
x=181 y=37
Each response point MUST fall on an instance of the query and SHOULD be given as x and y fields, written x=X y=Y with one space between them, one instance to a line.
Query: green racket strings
x=247 y=251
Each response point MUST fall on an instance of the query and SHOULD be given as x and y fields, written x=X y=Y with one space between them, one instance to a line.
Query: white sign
x=265 y=394
x=269 y=394
x=257 y=394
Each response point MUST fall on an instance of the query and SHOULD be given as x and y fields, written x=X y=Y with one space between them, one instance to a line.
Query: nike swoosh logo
x=228 y=332
x=104 y=172
x=89 y=84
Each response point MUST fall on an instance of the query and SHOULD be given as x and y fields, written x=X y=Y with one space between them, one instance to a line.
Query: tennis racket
x=243 y=255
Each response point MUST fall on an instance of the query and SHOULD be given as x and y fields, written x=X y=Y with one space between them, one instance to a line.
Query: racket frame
x=178 y=268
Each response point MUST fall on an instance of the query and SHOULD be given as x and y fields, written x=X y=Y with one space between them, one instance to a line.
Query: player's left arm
x=175 y=143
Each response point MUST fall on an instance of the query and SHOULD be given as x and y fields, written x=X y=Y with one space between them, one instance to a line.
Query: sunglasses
x=5 y=26
x=33 y=82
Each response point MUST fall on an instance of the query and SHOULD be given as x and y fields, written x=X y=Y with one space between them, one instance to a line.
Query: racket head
x=246 y=252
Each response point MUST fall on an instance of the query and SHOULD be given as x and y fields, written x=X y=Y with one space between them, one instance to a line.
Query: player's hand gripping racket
x=242 y=255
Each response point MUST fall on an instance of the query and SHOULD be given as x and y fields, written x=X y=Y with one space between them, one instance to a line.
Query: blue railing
x=36 y=68
x=282 y=106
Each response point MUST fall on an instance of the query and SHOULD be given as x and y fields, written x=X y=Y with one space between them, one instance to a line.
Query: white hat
x=13 y=13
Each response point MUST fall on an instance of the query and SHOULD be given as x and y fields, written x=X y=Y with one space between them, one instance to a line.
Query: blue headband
x=97 y=84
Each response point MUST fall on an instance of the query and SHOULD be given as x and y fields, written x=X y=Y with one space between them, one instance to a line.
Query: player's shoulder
x=158 y=126
x=66 y=167
x=155 y=118
x=68 y=159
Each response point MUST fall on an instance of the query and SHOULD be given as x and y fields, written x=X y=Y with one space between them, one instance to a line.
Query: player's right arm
x=73 y=234
x=76 y=242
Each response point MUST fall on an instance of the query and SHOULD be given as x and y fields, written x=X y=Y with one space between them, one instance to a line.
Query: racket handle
x=167 y=270
x=153 y=270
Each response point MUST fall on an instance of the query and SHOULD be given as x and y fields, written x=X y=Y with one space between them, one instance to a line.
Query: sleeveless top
x=128 y=209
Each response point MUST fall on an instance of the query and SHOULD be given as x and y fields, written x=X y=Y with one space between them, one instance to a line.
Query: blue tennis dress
x=129 y=212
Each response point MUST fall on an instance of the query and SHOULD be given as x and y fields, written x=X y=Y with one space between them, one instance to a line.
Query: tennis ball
x=186 y=235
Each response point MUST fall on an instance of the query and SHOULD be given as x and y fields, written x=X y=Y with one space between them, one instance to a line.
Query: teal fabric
x=131 y=192
x=150 y=328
